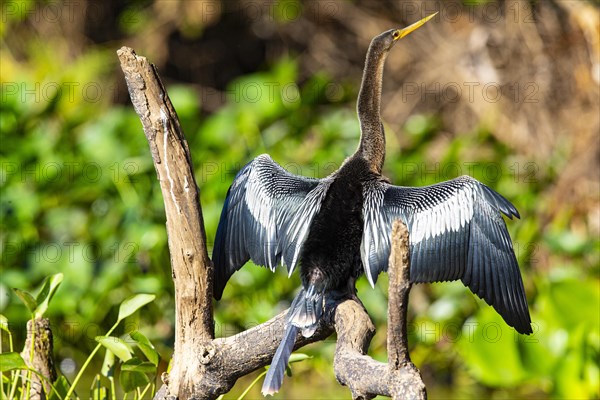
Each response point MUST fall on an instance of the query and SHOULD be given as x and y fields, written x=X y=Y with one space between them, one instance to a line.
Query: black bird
x=338 y=227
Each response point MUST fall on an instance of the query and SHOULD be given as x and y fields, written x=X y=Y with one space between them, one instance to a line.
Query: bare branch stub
x=191 y=267
x=399 y=363
x=399 y=287
x=38 y=331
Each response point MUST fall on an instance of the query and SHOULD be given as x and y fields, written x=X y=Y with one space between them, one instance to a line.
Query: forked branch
x=204 y=367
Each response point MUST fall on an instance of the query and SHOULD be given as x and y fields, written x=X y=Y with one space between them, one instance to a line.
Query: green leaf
x=117 y=346
x=570 y=378
x=571 y=300
x=43 y=298
x=135 y=364
x=108 y=365
x=134 y=303
x=10 y=361
x=145 y=346
x=297 y=357
x=60 y=388
x=490 y=350
x=27 y=299
x=132 y=379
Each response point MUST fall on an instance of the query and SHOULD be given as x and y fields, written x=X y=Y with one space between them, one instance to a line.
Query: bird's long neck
x=372 y=139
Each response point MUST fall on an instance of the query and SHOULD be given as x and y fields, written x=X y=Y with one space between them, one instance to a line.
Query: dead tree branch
x=366 y=377
x=191 y=267
x=204 y=367
x=41 y=359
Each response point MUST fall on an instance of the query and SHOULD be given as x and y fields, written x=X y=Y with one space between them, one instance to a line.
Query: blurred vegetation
x=79 y=194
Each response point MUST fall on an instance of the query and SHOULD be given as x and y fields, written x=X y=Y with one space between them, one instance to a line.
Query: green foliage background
x=79 y=196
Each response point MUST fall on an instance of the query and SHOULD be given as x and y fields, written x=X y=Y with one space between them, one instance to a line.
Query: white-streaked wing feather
x=267 y=211
x=456 y=232
x=297 y=230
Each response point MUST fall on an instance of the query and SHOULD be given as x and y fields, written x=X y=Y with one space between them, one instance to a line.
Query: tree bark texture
x=191 y=267
x=39 y=332
x=204 y=367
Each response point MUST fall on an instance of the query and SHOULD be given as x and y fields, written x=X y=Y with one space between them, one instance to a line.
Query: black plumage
x=339 y=227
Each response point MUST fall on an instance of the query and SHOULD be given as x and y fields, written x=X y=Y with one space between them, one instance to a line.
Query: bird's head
x=387 y=39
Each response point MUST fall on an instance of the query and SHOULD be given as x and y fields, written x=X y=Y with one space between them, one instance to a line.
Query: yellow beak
x=403 y=32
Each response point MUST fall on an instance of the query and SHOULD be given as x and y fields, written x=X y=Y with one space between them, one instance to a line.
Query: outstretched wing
x=456 y=232
x=265 y=218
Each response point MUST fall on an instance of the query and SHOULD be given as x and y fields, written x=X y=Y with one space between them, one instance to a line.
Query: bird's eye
x=396 y=34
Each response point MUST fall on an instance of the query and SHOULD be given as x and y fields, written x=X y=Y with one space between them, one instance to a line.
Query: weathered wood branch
x=365 y=377
x=191 y=267
x=40 y=333
x=204 y=367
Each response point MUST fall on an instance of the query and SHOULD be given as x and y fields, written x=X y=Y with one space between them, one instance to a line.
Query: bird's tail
x=306 y=310
x=304 y=314
x=274 y=377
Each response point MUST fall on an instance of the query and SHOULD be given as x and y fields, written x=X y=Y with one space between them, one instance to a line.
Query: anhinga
x=338 y=227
